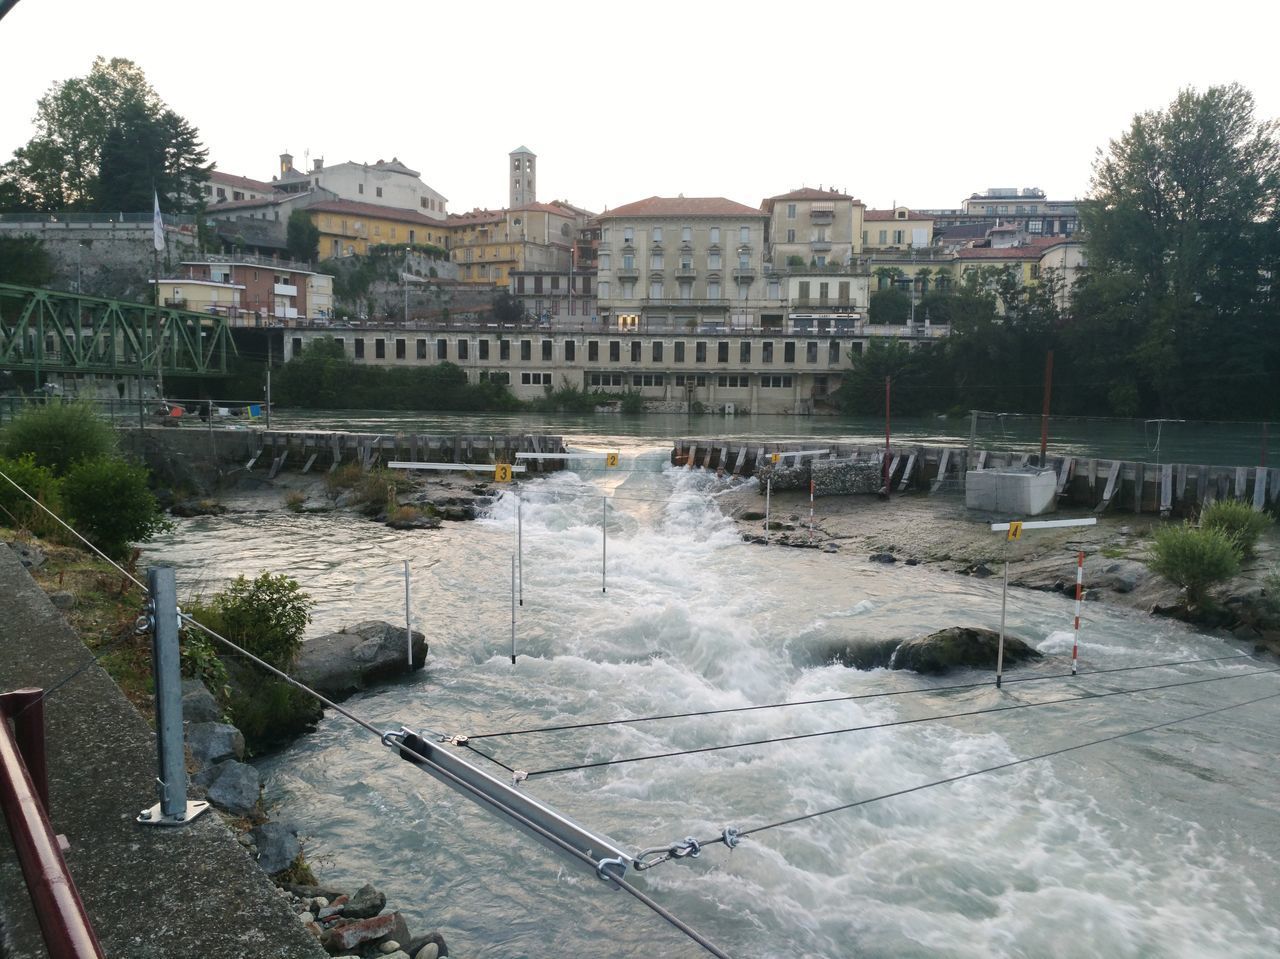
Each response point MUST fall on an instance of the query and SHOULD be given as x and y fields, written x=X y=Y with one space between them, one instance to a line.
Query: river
x=1162 y=844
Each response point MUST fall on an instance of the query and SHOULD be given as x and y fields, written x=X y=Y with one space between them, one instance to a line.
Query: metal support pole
x=269 y=358
x=973 y=438
x=1044 y=413
x=768 y=495
x=887 y=458
x=408 y=623
x=520 y=544
x=1004 y=600
x=173 y=808
x=811 y=509
x=513 y=609
x=604 y=543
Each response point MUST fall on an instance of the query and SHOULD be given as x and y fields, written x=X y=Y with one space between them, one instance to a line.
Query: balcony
x=627 y=273
x=820 y=246
x=744 y=273
x=686 y=273
x=284 y=289
x=176 y=304
x=822 y=213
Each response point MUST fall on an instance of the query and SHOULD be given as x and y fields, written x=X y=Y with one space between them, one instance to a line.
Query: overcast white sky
x=921 y=103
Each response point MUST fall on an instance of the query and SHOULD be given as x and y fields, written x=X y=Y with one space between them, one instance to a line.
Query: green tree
x=58 y=435
x=145 y=152
x=911 y=372
x=889 y=306
x=109 y=504
x=302 y=237
x=507 y=309
x=1184 y=205
x=25 y=261
x=59 y=168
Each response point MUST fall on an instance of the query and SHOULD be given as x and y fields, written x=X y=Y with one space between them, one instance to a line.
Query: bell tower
x=523 y=173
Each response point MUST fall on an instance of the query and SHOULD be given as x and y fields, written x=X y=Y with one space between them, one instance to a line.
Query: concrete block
x=1012 y=492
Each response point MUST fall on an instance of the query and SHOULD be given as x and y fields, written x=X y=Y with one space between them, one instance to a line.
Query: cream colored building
x=686 y=263
x=896 y=229
x=387 y=183
x=488 y=245
x=813 y=227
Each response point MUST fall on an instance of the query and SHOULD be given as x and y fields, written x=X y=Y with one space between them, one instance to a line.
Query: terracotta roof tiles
x=665 y=206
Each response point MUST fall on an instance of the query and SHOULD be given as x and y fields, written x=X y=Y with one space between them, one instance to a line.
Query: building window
x=655 y=261
x=789 y=352
x=1035 y=226
x=734 y=382
x=744 y=351
x=744 y=234
x=615 y=351
x=897 y=237
x=791 y=211
x=657 y=234
x=603 y=289
x=463 y=349
x=811 y=352
x=774 y=290
x=379 y=349
x=766 y=351
x=628 y=261
x=700 y=352
x=679 y=353
x=833 y=353
x=359 y=349
x=379 y=191
x=495 y=376
x=655 y=289
x=504 y=350
x=359 y=187
x=713 y=261
x=628 y=234
x=482 y=349
x=526 y=351
x=884 y=237
x=635 y=351
x=570 y=351
x=442 y=349
x=420 y=349
x=546 y=351
x=791 y=236
x=713 y=289
x=775 y=382
x=657 y=351
x=722 y=351
x=593 y=351
x=648 y=379
x=535 y=379
x=400 y=348
x=686 y=234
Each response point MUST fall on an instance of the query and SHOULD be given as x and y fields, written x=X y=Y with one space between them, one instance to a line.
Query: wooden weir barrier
x=305 y=450
x=1092 y=482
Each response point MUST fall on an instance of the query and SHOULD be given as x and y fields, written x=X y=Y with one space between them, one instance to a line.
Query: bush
x=1236 y=520
x=59 y=435
x=632 y=402
x=294 y=499
x=109 y=504
x=40 y=482
x=265 y=616
x=1195 y=559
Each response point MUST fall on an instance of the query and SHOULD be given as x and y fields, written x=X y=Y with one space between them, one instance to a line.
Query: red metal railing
x=24 y=796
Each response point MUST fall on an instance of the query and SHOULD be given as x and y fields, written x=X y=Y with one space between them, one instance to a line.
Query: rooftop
x=355 y=208
x=243 y=182
x=879 y=215
x=665 y=206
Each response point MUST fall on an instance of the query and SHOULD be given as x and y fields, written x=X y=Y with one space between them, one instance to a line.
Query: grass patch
x=294 y=499
x=1114 y=552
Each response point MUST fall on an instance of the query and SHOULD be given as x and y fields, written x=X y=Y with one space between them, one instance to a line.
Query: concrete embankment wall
x=194 y=457
x=1099 y=484
x=151 y=893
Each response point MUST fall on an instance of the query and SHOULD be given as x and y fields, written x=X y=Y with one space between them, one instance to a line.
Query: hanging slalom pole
x=604 y=543
x=768 y=495
x=887 y=459
x=1004 y=600
x=408 y=624
x=513 y=609
x=520 y=543
x=810 y=509
x=1044 y=413
x=1075 y=644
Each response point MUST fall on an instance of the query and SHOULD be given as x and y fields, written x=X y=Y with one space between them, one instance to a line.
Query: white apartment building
x=388 y=183
x=686 y=263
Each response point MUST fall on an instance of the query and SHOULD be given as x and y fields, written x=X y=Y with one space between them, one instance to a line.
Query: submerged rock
x=940 y=652
x=959 y=646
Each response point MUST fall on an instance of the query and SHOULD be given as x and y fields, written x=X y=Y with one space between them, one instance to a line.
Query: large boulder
x=367 y=902
x=235 y=788
x=198 y=704
x=213 y=742
x=346 y=662
x=277 y=846
x=959 y=646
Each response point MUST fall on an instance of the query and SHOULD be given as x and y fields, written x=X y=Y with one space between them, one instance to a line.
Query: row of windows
x=535 y=379
x=657 y=261
x=686 y=234
x=635 y=350
x=583 y=305
x=580 y=285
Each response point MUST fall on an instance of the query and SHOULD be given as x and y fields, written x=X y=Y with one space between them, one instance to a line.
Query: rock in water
x=340 y=664
x=959 y=646
x=235 y=788
x=365 y=903
x=277 y=844
x=213 y=742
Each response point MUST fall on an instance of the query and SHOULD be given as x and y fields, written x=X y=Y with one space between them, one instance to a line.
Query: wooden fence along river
x=1166 y=488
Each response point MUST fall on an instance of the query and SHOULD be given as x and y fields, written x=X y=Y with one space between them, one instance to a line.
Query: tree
x=60 y=168
x=889 y=306
x=912 y=372
x=302 y=237
x=144 y=153
x=507 y=309
x=1184 y=206
x=25 y=261
x=110 y=504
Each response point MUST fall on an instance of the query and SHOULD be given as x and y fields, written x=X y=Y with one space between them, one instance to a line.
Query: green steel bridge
x=43 y=331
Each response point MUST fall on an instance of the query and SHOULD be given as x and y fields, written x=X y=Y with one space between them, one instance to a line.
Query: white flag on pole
x=157 y=225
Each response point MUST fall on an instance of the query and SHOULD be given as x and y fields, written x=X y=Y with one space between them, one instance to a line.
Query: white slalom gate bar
x=1004 y=594
x=566 y=456
x=454 y=467
x=783 y=454
x=1046 y=524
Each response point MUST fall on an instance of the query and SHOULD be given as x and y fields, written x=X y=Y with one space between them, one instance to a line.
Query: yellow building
x=347 y=227
x=896 y=229
x=488 y=245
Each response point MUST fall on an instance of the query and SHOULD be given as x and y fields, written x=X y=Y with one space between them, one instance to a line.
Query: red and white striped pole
x=811 y=509
x=1075 y=645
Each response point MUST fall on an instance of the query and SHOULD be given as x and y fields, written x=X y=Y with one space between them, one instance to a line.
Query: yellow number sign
x=502 y=473
x=610 y=459
x=774 y=457
x=1015 y=531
